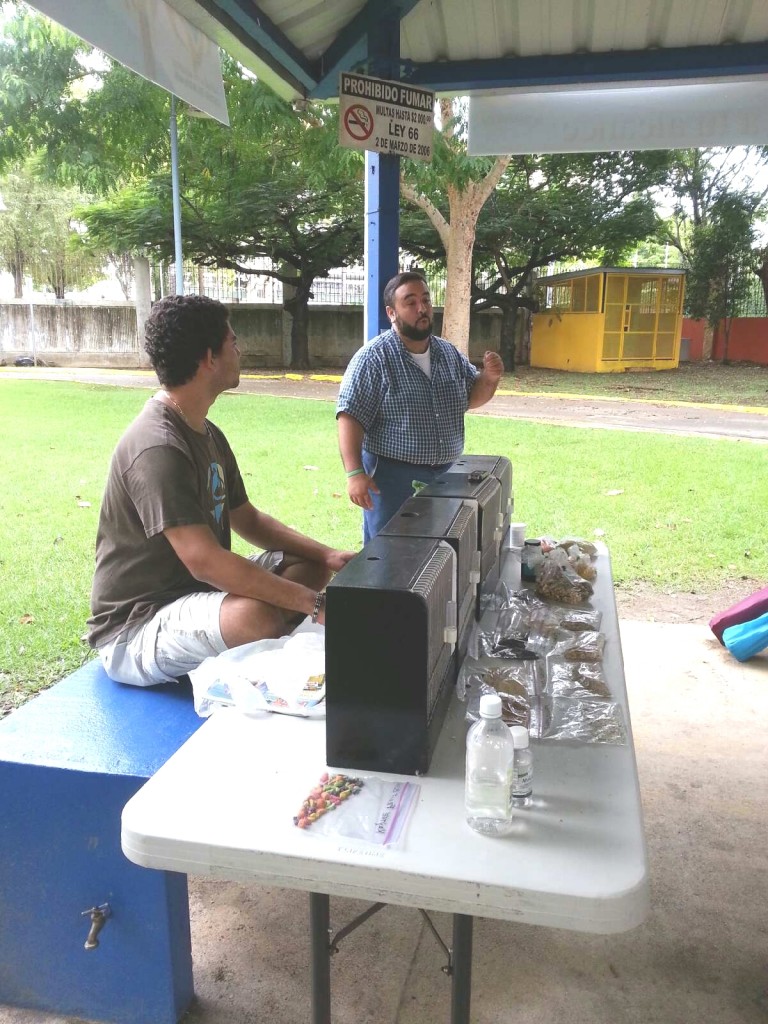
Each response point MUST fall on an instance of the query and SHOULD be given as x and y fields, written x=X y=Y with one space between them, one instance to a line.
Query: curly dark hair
x=394 y=283
x=179 y=331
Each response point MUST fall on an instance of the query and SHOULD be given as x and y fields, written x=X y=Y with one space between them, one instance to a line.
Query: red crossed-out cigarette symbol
x=358 y=121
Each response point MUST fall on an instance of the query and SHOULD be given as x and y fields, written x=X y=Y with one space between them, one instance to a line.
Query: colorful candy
x=326 y=796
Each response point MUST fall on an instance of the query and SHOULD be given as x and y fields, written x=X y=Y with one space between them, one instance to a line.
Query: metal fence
x=754 y=304
x=342 y=287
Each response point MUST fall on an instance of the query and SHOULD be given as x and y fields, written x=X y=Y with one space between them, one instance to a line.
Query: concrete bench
x=69 y=761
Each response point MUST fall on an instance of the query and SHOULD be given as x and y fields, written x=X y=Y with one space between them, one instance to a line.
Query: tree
x=760 y=268
x=274 y=186
x=90 y=121
x=548 y=209
x=38 y=232
x=452 y=191
x=40 y=71
x=721 y=258
x=700 y=180
x=87 y=123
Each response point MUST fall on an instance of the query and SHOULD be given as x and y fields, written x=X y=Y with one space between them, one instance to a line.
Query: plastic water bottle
x=522 y=771
x=488 y=781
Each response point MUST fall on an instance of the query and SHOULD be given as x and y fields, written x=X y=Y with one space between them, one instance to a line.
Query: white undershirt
x=423 y=362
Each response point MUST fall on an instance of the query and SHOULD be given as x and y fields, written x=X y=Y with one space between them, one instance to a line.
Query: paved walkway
x=691 y=419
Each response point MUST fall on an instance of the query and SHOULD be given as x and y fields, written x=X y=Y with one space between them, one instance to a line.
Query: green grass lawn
x=741 y=384
x=681 y=513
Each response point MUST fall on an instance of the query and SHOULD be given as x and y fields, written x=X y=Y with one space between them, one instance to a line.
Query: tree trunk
x=523 y=343
x=300 y=336
x=726 y=337
x=762 y=273
x=508 y=335
x=458 y=237
x=298 y=307
x=18 y=280
x=708 y=342
x=458 y=278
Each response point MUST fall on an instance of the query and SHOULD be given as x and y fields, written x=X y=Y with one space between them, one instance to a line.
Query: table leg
x=461 y=977
x=319 y=924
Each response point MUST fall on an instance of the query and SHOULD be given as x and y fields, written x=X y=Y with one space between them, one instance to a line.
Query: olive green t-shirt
x=163 y=474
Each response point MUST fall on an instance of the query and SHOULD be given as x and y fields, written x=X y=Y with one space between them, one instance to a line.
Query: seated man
x=168 y=592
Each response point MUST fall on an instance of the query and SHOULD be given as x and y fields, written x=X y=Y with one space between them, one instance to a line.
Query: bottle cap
x=490 y=706
x=519 y=734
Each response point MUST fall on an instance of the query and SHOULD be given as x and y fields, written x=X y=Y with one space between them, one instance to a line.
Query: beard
x=413 y=333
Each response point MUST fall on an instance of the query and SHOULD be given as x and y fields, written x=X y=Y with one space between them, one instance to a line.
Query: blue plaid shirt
x=405 y=414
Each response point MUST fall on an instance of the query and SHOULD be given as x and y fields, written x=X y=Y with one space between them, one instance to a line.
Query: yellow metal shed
x=608 y=319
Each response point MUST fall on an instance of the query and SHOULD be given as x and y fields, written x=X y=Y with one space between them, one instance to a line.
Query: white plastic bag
x=286 y=675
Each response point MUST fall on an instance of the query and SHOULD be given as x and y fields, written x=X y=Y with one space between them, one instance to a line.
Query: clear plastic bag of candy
x=556 y=581
x=580 y=647
x=358 y=807
x=584 y=721
x=576 y=679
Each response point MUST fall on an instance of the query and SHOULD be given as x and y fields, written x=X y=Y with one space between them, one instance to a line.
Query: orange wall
x=748 y=342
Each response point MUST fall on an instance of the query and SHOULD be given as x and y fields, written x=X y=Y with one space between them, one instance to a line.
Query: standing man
x=401 y=405
x=168 y=592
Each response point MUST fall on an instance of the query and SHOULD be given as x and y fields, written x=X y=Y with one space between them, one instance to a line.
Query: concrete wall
x=99 y=335
x=748 y=342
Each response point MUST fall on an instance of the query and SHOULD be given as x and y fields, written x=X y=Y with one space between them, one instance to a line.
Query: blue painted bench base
x=69 y=761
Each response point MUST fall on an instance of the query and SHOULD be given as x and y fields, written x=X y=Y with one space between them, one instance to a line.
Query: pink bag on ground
x=750 y=608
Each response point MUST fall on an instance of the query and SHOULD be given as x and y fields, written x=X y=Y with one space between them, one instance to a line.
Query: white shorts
x=178 y=638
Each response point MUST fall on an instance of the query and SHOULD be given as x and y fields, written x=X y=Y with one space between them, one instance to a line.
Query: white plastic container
x=516 y=535
x=489 y=768
x=522 y=772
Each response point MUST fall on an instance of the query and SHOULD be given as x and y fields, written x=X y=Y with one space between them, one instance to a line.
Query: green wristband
x=355 y=472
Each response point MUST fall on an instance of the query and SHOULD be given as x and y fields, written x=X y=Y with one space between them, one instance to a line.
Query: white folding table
x=223 y=806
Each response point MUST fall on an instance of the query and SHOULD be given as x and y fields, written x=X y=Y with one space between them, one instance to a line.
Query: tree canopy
x=39 y=233
x=721 y=257
x=272 y=186
x=549 y=209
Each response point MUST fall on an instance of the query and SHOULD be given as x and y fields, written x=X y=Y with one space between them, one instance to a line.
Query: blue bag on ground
x=746 y=639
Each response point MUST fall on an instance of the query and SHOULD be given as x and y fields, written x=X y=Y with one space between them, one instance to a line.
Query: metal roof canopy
x=458 y=47
x=477 y=47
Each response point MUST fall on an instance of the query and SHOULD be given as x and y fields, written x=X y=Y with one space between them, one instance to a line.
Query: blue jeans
x=395 y=482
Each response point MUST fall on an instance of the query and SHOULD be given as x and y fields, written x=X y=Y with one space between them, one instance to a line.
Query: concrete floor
x=699 y=721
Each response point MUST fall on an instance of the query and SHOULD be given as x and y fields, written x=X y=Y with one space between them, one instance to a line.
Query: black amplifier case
x=390 y=654
x=485 y=491
x=454 y=521
x=497 y=466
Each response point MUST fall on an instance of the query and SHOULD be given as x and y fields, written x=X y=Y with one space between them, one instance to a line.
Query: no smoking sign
x=389 y=117
x=358 y=121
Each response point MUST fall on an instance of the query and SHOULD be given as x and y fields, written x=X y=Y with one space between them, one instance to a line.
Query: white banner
x=599 y=120
x=153 y=40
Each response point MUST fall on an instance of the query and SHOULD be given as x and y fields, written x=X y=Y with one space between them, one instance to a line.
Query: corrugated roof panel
x=473 y=31
x=458 y=30
x=606 y=18
x=312 y=25
x=560 y=28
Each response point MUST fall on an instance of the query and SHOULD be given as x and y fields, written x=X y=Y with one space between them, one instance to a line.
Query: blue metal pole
x=382 y=186
x=176 y=200
x=382 y=235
